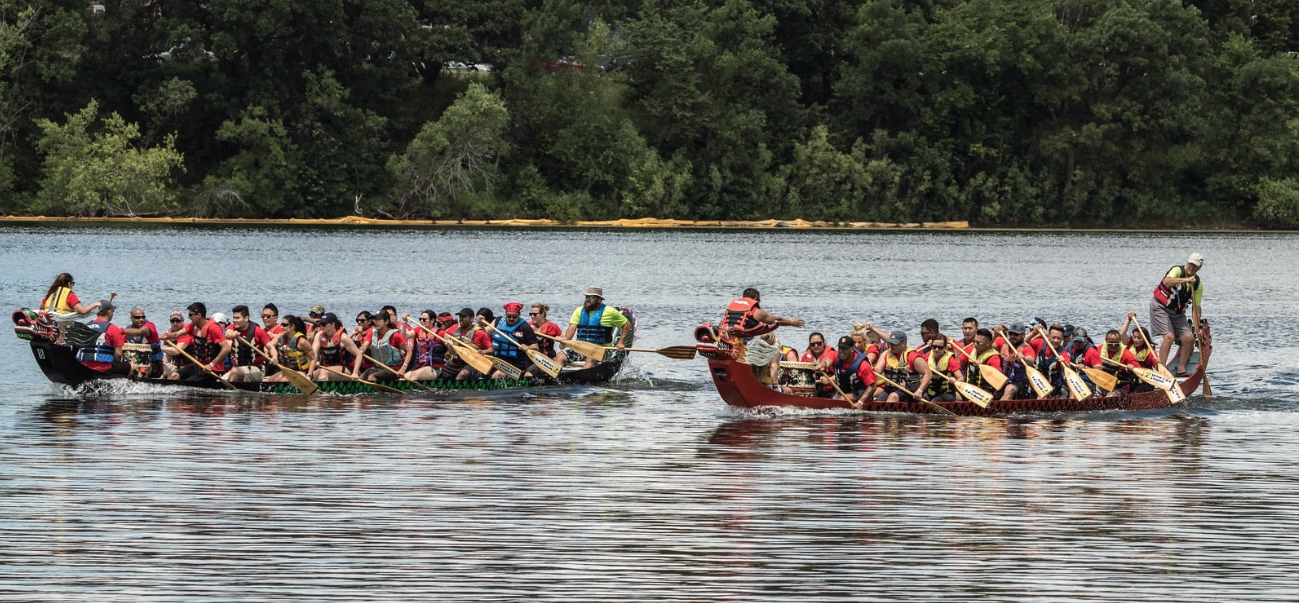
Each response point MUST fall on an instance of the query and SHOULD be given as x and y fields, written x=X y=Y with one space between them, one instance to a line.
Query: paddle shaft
x=1035 y=377
x=1163 y=367
x=676 y=352
x=972 y=394
x=585 y=348
x=299 y=380
x=375 y=386
x=399 y=375
x=1069 y=373
x=209 y=371
x=994 y=377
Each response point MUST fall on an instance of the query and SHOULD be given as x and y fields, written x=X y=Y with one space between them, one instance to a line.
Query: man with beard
x=595 y=322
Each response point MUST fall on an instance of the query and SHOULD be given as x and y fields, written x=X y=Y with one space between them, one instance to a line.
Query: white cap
x=220 y=317
x=1196 y=259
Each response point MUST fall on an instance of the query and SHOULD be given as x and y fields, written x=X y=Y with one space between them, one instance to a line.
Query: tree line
x=1002 y=112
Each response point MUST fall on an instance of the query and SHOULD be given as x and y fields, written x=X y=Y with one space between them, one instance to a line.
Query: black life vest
x=849 y=380
x=99 y=351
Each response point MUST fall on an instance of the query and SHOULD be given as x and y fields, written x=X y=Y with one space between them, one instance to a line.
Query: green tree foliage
x=1014 y=112
x=452 y=158
x=94 y=169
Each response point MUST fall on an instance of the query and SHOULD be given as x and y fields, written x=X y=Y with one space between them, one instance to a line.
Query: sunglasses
x=816 y=343
x=178 y=320
x=593 y=297
x=137 y=317
x=284 y=324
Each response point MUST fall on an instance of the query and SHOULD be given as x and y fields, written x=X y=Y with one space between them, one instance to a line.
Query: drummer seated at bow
x=852 y=373
x=903 y=366
x=145 y=333
x=333 y=349
x=595 y=322
x=245 y=363
x=387 y=346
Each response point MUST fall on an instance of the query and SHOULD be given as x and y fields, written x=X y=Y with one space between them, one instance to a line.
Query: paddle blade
x=1154 y=378
x=993 y=376
x=510 y=370
x=300 y=381
x=1038 y=382
x=974 y=394
x=1104 y=380
x=544 y=363
x=1077 y=387
x=676 y=352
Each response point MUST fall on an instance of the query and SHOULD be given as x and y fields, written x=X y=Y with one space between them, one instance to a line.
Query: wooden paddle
x=542 y=361
x=922 y=400
x=676 y=352
x=1040 y=384
x=971 y=392
x=585 y=348
x=399 y=375
x=227 y=384
x=299 y=380
x=472 y=357
x=994 y=377
x=835 y=384
x=1159 y=365
x=1102 y=378
x=375 y=386
x=1077 y=387
x=1205 y=389
x=1156 y=379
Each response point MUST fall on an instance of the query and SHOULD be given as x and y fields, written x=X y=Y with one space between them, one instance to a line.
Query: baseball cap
x=897 y=337
x=317 y=310
x=328 y=318
x=1017 y=328
x=220 y=317
x=846 y=341
x=1196 y=259
x=465 y=312
x=105 y=305
x=1080 y=334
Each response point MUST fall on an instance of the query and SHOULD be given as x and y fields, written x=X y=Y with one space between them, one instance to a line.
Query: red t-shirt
x=114 y=338
x=551 y=329
x=1092 y=357
x=260 y=337
x=72 y=301
x=211 y=331
x=864 y=371
x=480 y=338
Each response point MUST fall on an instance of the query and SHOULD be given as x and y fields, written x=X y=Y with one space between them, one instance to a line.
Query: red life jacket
x=1176 y=299
x=740 y=322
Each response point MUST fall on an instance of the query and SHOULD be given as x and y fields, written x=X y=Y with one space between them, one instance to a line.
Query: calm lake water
x=650 y=488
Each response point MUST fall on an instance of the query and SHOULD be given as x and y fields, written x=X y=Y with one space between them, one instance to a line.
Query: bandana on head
x=514 y=307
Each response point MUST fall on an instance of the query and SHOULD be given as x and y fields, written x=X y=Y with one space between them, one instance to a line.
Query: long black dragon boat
x=59 y=363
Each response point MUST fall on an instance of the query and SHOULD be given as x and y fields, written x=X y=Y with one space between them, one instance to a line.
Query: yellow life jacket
x=290 y=355
x=58 y=302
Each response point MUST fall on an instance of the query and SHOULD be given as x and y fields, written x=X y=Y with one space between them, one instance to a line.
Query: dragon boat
x=59 y=363
x=740 y=387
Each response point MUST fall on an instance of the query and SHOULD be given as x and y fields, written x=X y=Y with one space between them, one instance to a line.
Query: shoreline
x=641 y=223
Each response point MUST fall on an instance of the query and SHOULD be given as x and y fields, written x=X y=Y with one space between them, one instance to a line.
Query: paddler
x=1015 y=354
x=904 y=366
x=386 y=345
x=430 y=352
x=105 y=354
x=945 y=361
x=333 y=349
x=595 y=322
x=245 y=363
x=537 y=315
x=291 y=348
x=853 y=372
x=513 y=326
x=1114 y=357
x=986 y=354
x=1180 y=287
x=745 y=317
x=207 y=343
x=470 y=334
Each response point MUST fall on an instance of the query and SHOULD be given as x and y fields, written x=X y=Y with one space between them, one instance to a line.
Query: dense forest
x=1001 y=112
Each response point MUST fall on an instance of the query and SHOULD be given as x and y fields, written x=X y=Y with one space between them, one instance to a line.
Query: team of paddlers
x=382 y=345
x=1008 y=362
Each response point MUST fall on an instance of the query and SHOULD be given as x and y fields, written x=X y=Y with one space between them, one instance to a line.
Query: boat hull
x=738 y=386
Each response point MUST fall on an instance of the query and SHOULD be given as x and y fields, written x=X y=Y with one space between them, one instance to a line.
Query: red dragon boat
x=739 y=387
